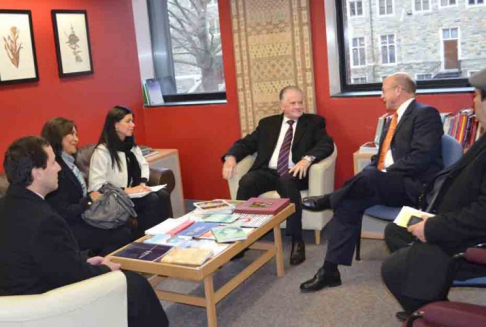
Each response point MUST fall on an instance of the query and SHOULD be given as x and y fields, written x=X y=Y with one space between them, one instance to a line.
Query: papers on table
x=155 y=188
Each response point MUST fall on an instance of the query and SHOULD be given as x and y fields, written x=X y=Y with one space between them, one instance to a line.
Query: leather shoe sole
x=297 y=255
x=316 y=203
x=321 y=280
x=402 y=316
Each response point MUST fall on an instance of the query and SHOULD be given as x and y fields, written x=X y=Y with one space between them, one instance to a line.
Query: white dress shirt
x=283 y=130
x=400 y=111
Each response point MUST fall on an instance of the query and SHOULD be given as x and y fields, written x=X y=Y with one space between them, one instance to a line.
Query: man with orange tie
x=286 y=146
x=408 y=157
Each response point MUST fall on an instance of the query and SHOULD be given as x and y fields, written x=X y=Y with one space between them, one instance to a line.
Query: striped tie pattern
x=283 y=155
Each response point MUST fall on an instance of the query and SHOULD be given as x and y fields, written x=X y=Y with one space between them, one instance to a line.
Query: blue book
x=143 y=251
x=197 y=229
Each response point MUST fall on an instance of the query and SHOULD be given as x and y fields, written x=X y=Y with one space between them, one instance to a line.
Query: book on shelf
x=187 y=256
x=154 y=92
x=262 y=206
x=229 y=234
x=170 y=226
x=214 y=206
x=408 y=215
x=198 y=228
x=143 y=251
x=147 y=151
x=167 y=239
x=369 y=147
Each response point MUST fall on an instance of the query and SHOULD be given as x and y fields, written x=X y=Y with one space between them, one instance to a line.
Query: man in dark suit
x=421 y=268
x=38 y=252
x=408 y=156
x=286 y=146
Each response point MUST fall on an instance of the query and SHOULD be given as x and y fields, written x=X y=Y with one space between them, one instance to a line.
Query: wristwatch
x=309 y=158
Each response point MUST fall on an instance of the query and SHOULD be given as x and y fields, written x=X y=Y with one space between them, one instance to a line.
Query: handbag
x=111 y=210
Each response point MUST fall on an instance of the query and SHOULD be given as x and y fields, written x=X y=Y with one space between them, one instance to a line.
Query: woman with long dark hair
x=71 y=198
x=117 y=159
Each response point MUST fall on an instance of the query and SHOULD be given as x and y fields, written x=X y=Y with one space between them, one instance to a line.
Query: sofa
x=98 y=301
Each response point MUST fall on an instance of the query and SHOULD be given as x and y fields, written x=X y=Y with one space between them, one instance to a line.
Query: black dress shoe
x=317 y=203
x=297 y=255
x=402 y=316
x=320 y=280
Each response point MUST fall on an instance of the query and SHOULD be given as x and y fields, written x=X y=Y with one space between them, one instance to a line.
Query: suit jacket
x=416 y=147
x=37 y=249
x=310 y=138
x=68 y=199
x=461 y=203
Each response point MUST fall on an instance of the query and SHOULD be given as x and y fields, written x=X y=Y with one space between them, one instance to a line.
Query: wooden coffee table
x=205 y=272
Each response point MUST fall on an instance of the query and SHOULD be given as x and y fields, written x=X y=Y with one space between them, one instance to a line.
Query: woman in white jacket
x=117 y=159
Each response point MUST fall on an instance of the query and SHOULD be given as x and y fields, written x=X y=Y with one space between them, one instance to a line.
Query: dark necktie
x=283 y=155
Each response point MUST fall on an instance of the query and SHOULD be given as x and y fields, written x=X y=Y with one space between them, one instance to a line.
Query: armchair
x=98 y=301
x=321 y=181
x=158 y=175
x=455 y=314
x=451 y=152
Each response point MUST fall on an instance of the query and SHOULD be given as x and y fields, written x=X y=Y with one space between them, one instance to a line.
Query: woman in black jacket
x=71 y=198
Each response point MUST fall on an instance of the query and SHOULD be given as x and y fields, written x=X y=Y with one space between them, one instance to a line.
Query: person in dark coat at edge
x=38 y=251
x=421 y=269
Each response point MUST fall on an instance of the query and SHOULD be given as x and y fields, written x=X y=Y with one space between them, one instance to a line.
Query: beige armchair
x=321 y=181
x=98 y=301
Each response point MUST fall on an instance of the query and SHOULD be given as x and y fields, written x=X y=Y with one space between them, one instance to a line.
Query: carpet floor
x=266 y=300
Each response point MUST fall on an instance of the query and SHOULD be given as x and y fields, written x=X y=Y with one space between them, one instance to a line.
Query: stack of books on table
x=204 y=233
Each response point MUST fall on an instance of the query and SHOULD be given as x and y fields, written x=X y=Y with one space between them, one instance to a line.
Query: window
x=387 y=45
x=355 y=8
x=450 y=37
x=359 y=80
x=359 y=55
x=186 y=46
x=475 y=2
x=448 y=3
x=423 y=77
x=385 y=7
x=421 y=5
x=410 y=43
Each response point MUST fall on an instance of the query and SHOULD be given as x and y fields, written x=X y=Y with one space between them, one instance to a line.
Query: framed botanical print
x=73 y=49
x=18 y=61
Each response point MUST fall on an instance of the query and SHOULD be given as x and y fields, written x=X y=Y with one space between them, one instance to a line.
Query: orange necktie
x=386 y=143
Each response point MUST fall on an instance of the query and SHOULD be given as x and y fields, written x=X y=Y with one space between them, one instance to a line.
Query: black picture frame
x=73 y=46
x=18 y=59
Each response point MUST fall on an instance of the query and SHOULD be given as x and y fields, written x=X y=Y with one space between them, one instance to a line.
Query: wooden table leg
x=210 y=301
x=277 y=235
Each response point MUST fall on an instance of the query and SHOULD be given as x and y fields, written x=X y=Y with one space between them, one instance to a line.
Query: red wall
x=201 y=133
x=85 y=99
x=204 y=133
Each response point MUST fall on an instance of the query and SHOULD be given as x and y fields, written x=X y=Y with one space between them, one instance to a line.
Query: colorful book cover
x=214 y=206
x=262 y=206
x=222 y=218
x=143 y=251
x=229 y=234
x=166 y=239
x=197 y=229
x=187 y=256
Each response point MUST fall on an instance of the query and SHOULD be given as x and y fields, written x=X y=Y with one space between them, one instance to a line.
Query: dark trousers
x=416 y=273
x=151 y=209
x=259 y=181
x=144 y=307
x=101 y=241
x=369 y=187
